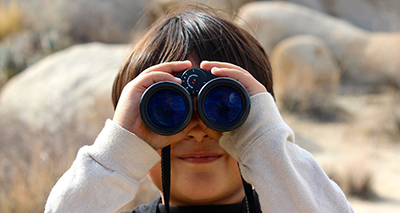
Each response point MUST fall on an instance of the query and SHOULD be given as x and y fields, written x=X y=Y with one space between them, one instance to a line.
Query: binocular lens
x=166 y=109
x=223 y=105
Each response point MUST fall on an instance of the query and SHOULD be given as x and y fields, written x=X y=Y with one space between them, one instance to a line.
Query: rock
x=382 y=15
x=224 y=7
x=71 y=88
x=303 y=67
x=271 y=22
x=318 y=5
x=352 y=47
x=87 y=20
x=306 y=77
x=382 y=58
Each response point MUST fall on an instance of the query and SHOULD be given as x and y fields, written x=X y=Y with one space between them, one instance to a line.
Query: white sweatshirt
x=105 y=176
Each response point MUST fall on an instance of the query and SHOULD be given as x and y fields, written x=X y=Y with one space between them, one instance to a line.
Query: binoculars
x=222 y=104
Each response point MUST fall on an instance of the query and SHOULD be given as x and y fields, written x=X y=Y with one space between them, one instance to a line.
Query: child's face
x=202 y=172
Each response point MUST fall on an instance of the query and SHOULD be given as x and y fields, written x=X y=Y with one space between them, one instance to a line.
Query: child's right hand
x=127 y=111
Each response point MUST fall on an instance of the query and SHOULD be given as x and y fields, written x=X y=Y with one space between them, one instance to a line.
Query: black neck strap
x=251 y=201
x=166 y=174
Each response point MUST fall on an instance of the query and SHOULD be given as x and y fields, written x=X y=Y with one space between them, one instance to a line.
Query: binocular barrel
x=223 y=104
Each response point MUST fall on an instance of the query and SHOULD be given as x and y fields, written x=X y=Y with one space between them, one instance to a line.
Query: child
x=205 y=176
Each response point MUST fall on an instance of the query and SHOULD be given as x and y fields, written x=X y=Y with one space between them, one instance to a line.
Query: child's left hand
x=224 y=69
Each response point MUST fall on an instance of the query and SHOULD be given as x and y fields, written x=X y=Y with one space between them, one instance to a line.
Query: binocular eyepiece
x=223 y=104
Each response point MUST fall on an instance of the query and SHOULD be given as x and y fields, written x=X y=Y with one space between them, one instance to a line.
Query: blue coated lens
x=167 y=109
x=223 y=105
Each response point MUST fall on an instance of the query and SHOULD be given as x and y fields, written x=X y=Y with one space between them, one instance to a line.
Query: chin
x=207 y=194
x=195 y=201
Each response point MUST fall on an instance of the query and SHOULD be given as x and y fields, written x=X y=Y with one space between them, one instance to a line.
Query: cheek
x=155 y=175
x=234 y=171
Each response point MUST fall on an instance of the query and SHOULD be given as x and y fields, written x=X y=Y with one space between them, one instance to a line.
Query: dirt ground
x=365 y=144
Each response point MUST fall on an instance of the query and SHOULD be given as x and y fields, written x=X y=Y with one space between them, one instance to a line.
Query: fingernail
x=178 y=79
x=215 y=68
x=202 y=62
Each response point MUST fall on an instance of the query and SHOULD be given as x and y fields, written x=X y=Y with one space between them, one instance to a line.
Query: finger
x=224 y=69
x=143 y=81
x=170 y=67
x=150 y=78
x=233 y=73
x=208 y=65
x=246 y=79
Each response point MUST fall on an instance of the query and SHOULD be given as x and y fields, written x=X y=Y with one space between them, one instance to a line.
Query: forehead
x=194 y=58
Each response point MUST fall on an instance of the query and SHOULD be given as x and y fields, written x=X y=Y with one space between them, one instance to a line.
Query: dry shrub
x=356 y=183
x=31 y=161
x=361 y=186
x=398 y=127
x=321 y=109
x=26 y=181
x=29 y=167
x=354 y=174
x=27 y=189
x=10 y=19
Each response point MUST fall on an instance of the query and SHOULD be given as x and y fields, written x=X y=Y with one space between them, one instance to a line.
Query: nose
x=197 y=132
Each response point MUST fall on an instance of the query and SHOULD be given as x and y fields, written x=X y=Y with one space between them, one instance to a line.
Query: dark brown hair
x=211 y=37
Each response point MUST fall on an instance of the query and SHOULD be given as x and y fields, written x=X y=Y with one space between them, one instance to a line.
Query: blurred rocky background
x=336 y=71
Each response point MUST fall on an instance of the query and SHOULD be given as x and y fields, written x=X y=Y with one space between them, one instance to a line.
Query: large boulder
x=382 y=15
x=303 y=66
x=87 y=20
x=306 y=76
x=382 y=58
x=71 y=87
x=227 y=8
x=272 y=22
x=355 y=49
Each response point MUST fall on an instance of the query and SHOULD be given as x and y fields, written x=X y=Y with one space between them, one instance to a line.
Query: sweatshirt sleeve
x=286 y=177
x=104 y=176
